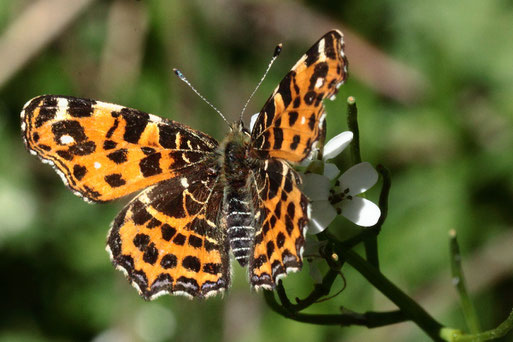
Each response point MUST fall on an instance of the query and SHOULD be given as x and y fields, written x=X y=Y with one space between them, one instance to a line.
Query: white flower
x=326 y=203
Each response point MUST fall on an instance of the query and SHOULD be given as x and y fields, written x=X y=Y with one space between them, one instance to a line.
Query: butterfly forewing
x=104 y=151
x=292 y=119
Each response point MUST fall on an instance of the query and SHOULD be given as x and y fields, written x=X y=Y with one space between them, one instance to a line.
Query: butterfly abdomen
x=238 y=209
x=240 y=225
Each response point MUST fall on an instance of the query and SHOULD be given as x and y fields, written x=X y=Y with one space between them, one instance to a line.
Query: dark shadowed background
x=434 y=85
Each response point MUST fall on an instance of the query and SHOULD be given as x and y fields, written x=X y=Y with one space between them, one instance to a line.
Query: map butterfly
x=200 y=198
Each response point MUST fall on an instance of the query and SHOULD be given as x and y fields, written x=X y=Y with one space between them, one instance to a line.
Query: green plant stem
x=371 y=241
x=407 y=305
x=369 y=319
x=456 y=336
x=352 y=124
x=459 y=281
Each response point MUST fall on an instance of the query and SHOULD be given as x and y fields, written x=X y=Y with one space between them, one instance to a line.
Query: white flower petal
x=316 y=187
x=331 y=171
x=359 y=178
x=322 y=214
x=336 y=144
x=361 y=211
x=252 y=121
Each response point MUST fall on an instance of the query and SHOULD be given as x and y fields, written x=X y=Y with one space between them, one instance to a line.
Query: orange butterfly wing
x=292 y=119
x=104 y=151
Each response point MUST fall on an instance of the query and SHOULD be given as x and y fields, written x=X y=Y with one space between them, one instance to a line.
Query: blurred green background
x=434 y=85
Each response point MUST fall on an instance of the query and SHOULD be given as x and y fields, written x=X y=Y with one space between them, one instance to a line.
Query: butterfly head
x=238 y=126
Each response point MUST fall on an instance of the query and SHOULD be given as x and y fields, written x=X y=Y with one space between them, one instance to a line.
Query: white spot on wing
x=62 y=108
x=319 y=82
x=322 y=55
x=66 y=139
x=184 y=182
x=97 y=165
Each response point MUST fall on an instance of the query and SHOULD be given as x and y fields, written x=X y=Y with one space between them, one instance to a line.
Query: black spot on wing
x=179 y=239
x=79 y=171
x=212 y=268
x=136 y=122
x=195 y=241
x=191 y=263
x=109 y=145
x=169 y=261
x=280 y=240
x=46 y=111
x=311 y=121
x=295 y=141
x=293 y=118
x=80 y=108
x=151 y=254
x=119 y=156
x=310 y=97
x=45 y=147
x=284 y=88
x=278 y=138
x=329 y=45
x=141 y=241
x=111 y=130
x=150 y=165
x=83 y=149
x=167 y=136
x=167 y=232
x=270 y=249
x=115 y=180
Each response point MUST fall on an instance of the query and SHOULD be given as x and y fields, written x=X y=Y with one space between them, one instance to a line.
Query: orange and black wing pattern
x=293 y=118
x=282 y=212
x=166 y=240
x=104 y=151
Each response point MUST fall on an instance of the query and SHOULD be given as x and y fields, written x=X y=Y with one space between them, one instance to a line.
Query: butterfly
x=199 y=198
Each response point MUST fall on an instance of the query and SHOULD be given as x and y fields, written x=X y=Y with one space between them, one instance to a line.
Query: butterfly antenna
x=277 y=51
x=186 y=81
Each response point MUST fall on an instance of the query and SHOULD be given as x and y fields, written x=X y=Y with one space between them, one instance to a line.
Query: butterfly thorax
x=238 y=213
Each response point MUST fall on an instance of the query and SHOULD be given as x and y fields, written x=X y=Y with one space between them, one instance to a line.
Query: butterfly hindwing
x=167 y=240
x=292 y=119
x=283 y=214
x=104 y=151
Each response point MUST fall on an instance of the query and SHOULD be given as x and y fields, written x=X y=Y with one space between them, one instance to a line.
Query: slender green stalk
x=411 y=309
x=352 y=124
x=369 y=319
x=458 y=279
x=500 y=331
x=371 y=241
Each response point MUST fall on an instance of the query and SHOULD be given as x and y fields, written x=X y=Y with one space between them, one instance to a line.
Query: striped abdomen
x=239 y=223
